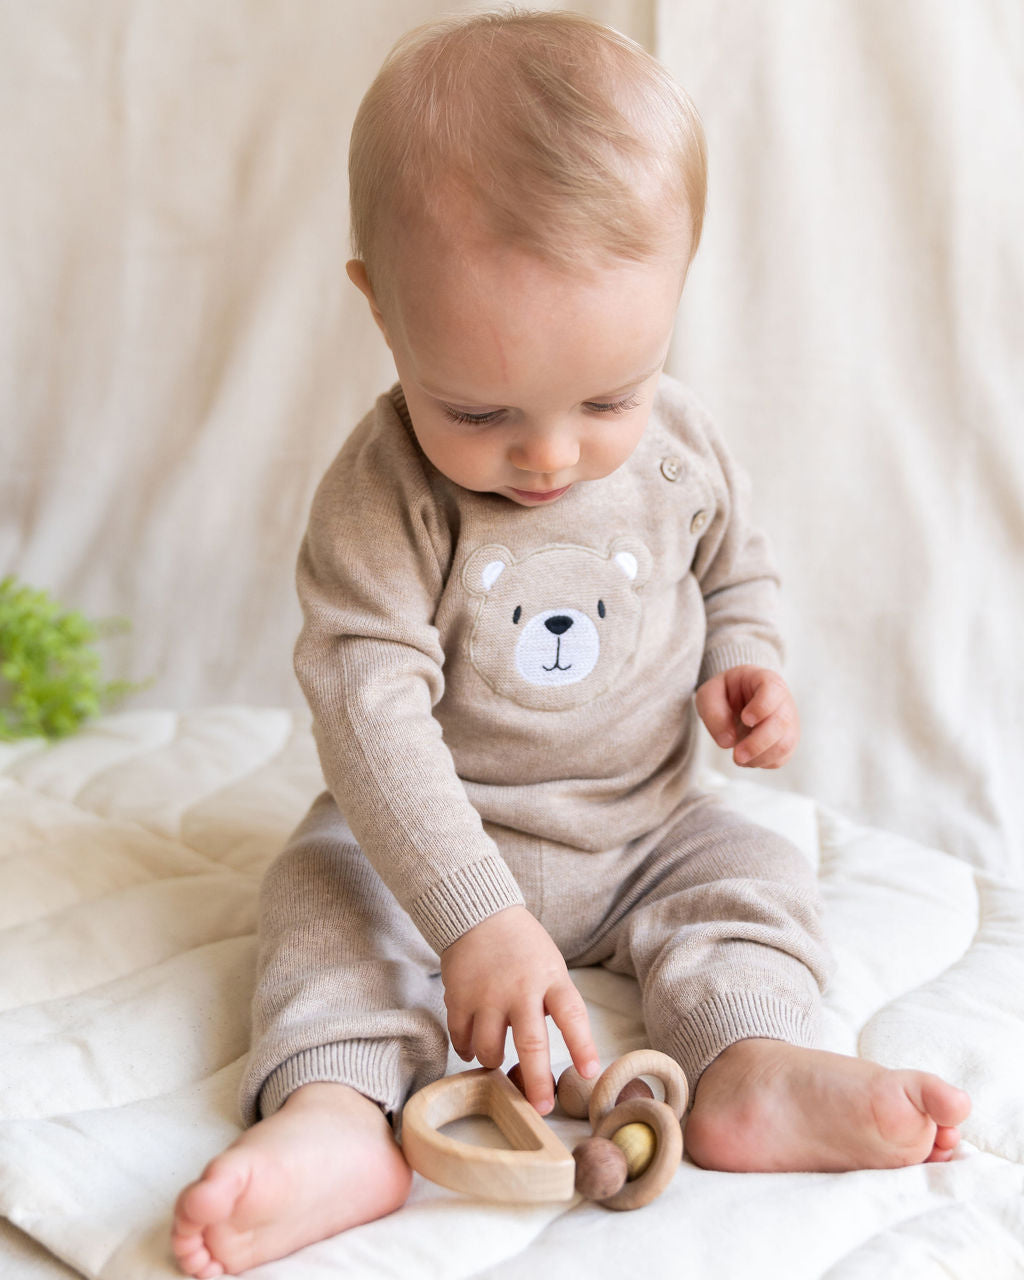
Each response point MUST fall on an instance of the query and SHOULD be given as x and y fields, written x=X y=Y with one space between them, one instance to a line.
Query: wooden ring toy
x=641 y=1062
x=668 y=1150
x=537 y=1170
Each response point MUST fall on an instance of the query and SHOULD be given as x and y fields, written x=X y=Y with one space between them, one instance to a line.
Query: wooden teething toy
x=538 y=1168
x=632 y=1157
x=654 y=1175
x=609 y=1117
x=641 y=1062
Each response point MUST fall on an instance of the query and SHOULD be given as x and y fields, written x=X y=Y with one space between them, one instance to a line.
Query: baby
x=527 y=574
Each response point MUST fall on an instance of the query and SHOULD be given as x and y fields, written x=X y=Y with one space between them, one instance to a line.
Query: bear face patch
x=555 y=628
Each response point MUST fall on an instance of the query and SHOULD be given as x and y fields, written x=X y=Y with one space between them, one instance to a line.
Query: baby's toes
x=942 y=1102
x=193 y=1257
x=202 y=1206
x=947 y=1139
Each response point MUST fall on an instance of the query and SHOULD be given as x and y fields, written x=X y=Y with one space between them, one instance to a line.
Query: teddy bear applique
x=555 y=627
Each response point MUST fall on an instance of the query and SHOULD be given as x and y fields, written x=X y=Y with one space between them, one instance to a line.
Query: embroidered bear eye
x=517 y=614
x=601 y=609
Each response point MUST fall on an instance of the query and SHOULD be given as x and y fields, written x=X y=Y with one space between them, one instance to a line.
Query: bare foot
x=767 y=1106
x=325 y=1162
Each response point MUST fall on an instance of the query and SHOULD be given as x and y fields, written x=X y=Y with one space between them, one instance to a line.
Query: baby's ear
x=632 y=558
x=357 y=273
x=484 y=567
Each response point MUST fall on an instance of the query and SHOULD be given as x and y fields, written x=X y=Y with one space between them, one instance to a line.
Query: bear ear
x=632 y=558
x=484 y=567
x=627 y=562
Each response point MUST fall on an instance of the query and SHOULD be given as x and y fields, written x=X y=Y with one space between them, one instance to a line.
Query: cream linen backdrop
x=182 y=353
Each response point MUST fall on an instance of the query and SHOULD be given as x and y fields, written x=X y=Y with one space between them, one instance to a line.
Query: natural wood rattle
x=654 y=1158
x=649 y=1133
x=631 y=1158
x=641 y=1062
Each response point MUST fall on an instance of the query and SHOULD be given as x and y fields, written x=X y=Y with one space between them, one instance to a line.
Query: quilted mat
x=130 y=858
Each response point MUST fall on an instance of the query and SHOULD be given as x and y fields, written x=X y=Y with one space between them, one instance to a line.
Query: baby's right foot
x=325 y=1162
x=767 y=1106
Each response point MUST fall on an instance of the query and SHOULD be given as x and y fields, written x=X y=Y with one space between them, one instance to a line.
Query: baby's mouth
x=546 y=495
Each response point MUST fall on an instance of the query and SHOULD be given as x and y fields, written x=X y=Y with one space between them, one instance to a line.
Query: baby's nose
x=546 y=453
x=558 y=625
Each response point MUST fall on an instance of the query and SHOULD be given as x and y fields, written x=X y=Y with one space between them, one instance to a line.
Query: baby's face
x=522 y=380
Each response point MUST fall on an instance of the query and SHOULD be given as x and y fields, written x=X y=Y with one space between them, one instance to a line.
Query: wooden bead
x=573 y=1093
x=601 y=1168
x=637 y=1088
x=515 y=1074
x=637 y=1143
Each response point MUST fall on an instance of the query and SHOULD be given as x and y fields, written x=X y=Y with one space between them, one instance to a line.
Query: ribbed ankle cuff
x=371 y=1067
x=712 y=1027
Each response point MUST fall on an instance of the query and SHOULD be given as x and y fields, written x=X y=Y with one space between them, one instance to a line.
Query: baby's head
x=527 y=194
x=565 y=139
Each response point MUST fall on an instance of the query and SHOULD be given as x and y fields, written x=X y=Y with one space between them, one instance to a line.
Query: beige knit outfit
x=503 y=704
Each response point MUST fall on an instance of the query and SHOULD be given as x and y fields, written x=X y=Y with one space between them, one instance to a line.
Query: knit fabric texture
x=469 y=660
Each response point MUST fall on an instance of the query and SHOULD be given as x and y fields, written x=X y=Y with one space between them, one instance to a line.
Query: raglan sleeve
x=735 y=568
x=371 y=571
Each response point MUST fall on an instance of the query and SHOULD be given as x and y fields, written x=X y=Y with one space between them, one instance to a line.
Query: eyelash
x=485 y=419
x=616 y=406
x=473 y=419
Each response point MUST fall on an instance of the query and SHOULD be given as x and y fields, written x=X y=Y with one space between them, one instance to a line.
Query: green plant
x=50 y=680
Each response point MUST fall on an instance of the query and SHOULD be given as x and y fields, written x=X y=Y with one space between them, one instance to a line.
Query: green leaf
x=50 y=680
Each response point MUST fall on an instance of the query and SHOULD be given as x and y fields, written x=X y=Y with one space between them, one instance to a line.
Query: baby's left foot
x=767 y=1106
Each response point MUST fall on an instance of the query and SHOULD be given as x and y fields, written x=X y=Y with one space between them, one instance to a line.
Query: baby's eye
x=614 y=406
x=474 y=419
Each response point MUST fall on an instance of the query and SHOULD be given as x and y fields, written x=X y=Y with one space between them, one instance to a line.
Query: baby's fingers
x=460 y=1032
x=569 y=1012
x=715 y=710
x=530 y=1033
x=489 y=1028
x=767 y=746
x=769 y=695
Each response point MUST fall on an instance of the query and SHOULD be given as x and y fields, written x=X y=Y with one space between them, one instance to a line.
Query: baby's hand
x=506 y=972
x=752 y=710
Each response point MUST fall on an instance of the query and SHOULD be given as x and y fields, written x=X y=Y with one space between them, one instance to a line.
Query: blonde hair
x=568 y=139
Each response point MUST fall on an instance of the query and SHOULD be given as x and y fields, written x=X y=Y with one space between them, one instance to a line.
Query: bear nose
x=558 y=625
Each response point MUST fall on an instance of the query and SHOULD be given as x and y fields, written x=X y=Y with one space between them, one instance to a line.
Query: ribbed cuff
x=371 y=1067
x=752 y=653
x=471 y=894
x=712 y=1027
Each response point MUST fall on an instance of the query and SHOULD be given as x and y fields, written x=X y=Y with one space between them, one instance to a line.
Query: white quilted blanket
x=130 y=858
